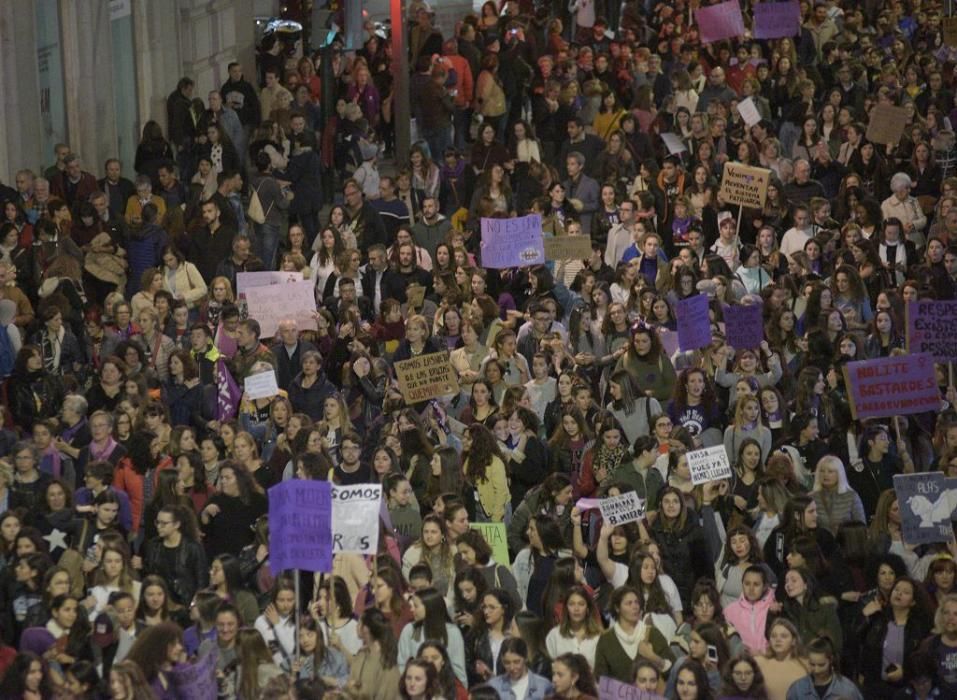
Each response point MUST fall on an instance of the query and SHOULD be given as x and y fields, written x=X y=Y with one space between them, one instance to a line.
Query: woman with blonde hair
x=783 y=662
x=837 y=503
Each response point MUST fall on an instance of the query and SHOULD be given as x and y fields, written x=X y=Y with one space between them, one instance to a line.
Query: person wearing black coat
x=34 y=394
x=310 y=388
x=180 y=125
x=390 y=283
x=239 y=94
x=176 y=557
x=289 y=355
x=303 y=174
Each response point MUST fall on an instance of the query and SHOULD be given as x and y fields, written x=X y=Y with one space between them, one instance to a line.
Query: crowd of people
x=134 y=529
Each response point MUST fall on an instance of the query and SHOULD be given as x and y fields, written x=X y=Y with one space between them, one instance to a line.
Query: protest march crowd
x=647 y=345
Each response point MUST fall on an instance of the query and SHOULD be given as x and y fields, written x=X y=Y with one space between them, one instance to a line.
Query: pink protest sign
x=774 y=20
x=719 y=22
x=892 y=386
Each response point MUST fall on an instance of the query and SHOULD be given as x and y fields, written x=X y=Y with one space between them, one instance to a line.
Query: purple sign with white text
x=892 y=386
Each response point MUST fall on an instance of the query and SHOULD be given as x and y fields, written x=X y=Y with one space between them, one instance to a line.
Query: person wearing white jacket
x=277 y=624
x=182 y=279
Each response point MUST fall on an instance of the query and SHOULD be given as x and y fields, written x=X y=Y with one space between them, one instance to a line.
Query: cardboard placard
x=273 y=303
x=719 y=22
x=415 y=295
x=626 y=508
x=246 y=280
x=355 y=518
x=512 y=242
x=744 y=185
x=300 y=526
x=709 y=464
x=673 y=143
x=926 y=506
x=932 y=328
x=694 y=323
x=742 y=325
x=892 y=386
x=261 y=386
x=567 y=247
x=948 y=27
x=614 y=689
x=749 y=112
x=497 y=537
x=426 y=377
x=776 y=20
x=886 y=124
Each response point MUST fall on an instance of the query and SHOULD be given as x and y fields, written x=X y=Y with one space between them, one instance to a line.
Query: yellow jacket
x=134 y=210
x=493 y=492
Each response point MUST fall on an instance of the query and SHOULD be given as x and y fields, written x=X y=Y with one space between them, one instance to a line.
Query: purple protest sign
x=694 y=323
x=775 y=20
x=720 y=22
x=930 y=329
x=742 y=325
x=612 y=689
x=512 y=242
x=892 y=386
x=300 y=526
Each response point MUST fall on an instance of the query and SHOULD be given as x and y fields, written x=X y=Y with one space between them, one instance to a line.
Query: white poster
x=618 y=510
x=355 y=518
x=709 y=464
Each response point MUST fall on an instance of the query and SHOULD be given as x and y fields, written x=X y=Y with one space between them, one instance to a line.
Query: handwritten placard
x=261 y=386
x=673 y=143
x=613 y=689
x=775 y=20
x=300 y=526
x=618 y=510
x=926 y=506
x=355 y=518
x=744 y=185
x=709 y=464
x=720 y=22
x=426 y=377
x=749 y=111
x=415 y=295
x=886 y=124
x=949 y=27
x=512 y=242
x=694 y=323
x=276 y=302
x=567 y=247
x=932 y=328
x=246 y=280
x=892 y=386
x=496 y=536
x=742 y=325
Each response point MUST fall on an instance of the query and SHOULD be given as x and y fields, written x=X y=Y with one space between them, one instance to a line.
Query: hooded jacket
x=750 y=620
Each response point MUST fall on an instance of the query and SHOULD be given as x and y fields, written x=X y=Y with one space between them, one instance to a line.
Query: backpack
x=7 y=356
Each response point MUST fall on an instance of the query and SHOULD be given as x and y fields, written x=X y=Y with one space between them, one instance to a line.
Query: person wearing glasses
x=176 y=556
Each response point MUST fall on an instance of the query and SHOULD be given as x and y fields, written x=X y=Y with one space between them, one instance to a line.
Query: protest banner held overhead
x=932 y=328
x=512 y=242
x=744 y=185
x=891 y=386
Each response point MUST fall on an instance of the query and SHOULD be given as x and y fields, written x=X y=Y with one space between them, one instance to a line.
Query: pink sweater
x=750 y=619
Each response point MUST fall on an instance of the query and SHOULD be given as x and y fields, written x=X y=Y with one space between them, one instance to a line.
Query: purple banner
x=892 y=386
x=512 y=242
x=227 y=393
x=932 y=328
x=694 y=323
x=720 y=22
x=743 y=325
x=300 y=526
x=612 y=689
x=775 y=20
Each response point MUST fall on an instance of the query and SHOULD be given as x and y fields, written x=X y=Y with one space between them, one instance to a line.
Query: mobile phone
x=712 y=653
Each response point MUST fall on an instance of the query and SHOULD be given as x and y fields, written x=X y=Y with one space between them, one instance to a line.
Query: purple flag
x=719 y=22
x=775 y=20
x=300 y=526
x=225 y=343
x=227 y=392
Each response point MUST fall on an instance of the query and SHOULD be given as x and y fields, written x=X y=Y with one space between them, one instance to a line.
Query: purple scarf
x=97 y=454
x=50 y=462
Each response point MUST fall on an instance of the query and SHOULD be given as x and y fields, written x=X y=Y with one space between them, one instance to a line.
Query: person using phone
x=709 y=648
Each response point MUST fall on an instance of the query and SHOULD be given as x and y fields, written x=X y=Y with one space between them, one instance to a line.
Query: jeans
x=438 y=140
x=266 y=243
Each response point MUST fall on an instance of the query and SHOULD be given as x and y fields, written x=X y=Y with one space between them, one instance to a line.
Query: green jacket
x=646 y=485
x=612 y=660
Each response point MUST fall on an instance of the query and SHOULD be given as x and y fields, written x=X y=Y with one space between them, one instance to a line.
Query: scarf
x=50 y=462
x=69 y=433
x=610 y=460
x=102 y=454
x=51 y=347
x=629 y=642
